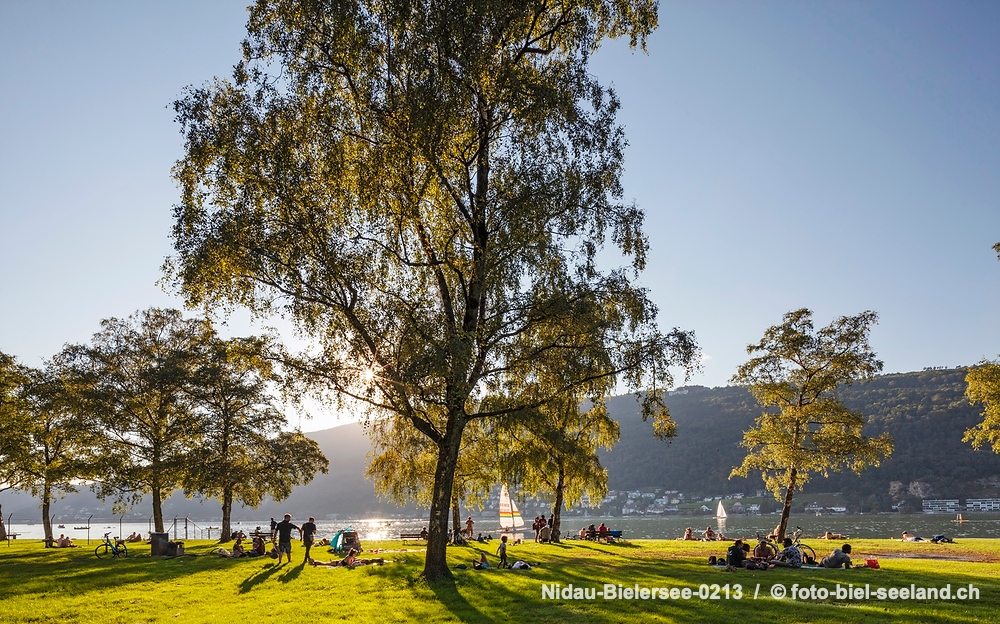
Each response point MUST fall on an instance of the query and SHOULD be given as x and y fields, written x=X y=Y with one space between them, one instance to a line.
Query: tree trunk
x=46 y=520
x=157 y=509
x=227 y=512
x=456 y=517
x=557 y=512
x=3 y=527
x=786 y=510
x=436 y=560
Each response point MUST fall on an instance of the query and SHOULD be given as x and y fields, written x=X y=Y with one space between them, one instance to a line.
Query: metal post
x=175 y=528
x=10 y=529
x=185 y=527
x=88 y=529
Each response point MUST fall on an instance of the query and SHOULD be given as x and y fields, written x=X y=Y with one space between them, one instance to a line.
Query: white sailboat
x=720 y=512
x=510 y=517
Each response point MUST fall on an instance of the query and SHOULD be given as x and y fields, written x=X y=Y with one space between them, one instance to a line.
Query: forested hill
x=925 y=412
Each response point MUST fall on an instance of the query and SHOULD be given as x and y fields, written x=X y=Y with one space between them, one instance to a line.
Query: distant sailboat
x=510 y=517
x=721 y=511
x=959 y=519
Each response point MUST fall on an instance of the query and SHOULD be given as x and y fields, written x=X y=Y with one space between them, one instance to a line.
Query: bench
x=411 y=536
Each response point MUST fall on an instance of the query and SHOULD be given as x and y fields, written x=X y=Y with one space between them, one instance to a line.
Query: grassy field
x=71 y=585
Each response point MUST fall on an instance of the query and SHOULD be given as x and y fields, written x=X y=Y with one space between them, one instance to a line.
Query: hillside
x=925 y=412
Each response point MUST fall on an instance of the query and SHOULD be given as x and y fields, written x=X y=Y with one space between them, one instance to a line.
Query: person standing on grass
x=468 y=527
x=308 y=535
x=502 y=552
x=284 y=529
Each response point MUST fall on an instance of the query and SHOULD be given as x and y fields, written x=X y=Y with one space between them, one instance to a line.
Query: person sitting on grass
x=763 y=552
x=839 y=557
x=482 y=564
x=790 y=557
x=65 y=542
x=736 y=556
x=709 y=534
x=238 y=550
x=836 y=536
x=689 y=534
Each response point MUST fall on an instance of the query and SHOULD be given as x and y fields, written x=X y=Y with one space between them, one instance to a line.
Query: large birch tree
x=423 y=188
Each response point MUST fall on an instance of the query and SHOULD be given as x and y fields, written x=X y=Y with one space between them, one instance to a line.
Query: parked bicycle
x=116 y=549
x=807 y=551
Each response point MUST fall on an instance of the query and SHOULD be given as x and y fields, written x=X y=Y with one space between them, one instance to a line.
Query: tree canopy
x=797 y=371
x=983 y=386
x=242 y=452
x=424 y=188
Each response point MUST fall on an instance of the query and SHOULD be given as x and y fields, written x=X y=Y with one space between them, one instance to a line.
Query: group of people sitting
x=601 y=533
x=135 y=537
x=708 y=535
x=258 y=548
x=61 y=542
x=764 y=557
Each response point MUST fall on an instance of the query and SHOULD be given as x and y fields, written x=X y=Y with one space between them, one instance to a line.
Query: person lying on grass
x=836 y=536
x=839 y=557
x=350 y=561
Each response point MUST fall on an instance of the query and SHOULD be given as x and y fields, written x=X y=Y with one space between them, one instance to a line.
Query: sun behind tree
x=796 y=373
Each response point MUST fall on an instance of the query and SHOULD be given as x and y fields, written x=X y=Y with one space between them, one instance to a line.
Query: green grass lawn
x=71 y=585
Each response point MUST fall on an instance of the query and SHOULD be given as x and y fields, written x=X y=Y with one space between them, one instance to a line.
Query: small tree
x=557 y=454
x=984 y=387
x=242 y=454
x=131 y=380
x=58 y=441
x=14 y=422
x=806 y=430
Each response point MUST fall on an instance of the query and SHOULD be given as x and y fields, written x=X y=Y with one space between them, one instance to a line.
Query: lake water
x=667 y=527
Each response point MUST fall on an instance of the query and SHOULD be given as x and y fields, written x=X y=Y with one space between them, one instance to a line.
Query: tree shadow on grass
x=252 y=581
x=448 y=595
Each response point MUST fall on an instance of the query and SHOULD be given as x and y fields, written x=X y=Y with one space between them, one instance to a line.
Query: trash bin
x=175 y=549
x=158 y=544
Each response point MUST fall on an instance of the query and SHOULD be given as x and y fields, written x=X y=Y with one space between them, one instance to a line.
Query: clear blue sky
x=840 y=156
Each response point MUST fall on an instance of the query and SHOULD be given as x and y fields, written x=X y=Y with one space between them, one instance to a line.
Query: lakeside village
x=661 y=501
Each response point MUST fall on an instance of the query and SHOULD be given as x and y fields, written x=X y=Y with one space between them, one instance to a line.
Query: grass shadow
x=292 y=573
x=252 y=581
x=448 y=595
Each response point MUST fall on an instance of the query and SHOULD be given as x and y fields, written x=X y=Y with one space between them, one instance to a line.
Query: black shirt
x=735 y=556
x=307 y=532
x=284 y=529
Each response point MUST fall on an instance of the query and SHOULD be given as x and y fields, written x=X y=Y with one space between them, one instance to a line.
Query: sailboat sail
x=721 y=511
x=510 y=517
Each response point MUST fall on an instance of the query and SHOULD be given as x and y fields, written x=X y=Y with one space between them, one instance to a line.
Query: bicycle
x=796 y=537
x=116 y=550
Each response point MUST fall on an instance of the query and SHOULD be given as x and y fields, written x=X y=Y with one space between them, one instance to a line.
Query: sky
x=839 y=156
